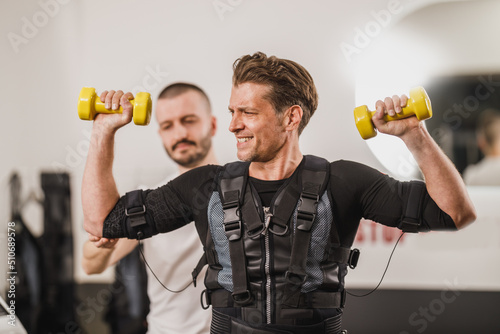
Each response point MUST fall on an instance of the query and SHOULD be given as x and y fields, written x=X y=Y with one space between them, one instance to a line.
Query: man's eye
x=190 y=121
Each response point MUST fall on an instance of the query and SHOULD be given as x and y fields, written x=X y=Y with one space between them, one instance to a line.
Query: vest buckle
x=208 y=300
x=306 y=212
x=242 y=298
x=353 y=258
x=233 y=230
x=283 y=229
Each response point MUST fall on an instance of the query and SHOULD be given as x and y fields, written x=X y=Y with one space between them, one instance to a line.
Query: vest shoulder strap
x=232 y=187
x=231 y=182
x=313 y=182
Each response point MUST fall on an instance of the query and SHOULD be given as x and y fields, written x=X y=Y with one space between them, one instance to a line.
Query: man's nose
x=179 y=133
x=235 y=123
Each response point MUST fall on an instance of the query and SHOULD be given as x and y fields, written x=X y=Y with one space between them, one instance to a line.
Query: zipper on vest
x=267 y=263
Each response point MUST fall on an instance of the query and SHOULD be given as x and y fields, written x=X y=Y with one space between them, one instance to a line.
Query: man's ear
x=292 y=118
x=213 y=124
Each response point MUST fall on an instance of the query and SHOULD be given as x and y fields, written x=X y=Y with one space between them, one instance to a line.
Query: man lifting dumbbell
x=277 y=227
x=186 y=127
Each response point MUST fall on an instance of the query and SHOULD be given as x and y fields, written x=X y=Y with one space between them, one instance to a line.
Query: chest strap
x=232 y=189
x=314 y=178
x=315 y=299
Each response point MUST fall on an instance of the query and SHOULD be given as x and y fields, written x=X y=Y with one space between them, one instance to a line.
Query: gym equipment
x=59 y=306
x=418 y=105
x=89 y=104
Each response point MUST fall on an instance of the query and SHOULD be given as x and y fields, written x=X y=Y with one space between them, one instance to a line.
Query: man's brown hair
x=179 y=88
x=290 y=83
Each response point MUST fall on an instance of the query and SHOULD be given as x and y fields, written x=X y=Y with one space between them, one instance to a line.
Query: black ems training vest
x=276 y=264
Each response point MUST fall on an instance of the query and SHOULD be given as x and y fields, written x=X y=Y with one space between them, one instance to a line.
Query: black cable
x=351 y=294
x=387 y=267
x=147 y=264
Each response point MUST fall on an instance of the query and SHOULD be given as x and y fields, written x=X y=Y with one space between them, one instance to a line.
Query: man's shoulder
x=341 y=164
x=198 y=175
x=353 y=172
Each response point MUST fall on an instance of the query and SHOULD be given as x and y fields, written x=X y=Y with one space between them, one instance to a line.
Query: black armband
x=138 y=222
x=412 y=218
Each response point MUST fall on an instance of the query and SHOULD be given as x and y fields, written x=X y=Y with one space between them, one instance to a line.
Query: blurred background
x=357 y=52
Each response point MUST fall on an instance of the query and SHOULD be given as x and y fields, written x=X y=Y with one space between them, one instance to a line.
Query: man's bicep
x=166 y=208
x=405 y=205
x=383 y=201
x=143 y=213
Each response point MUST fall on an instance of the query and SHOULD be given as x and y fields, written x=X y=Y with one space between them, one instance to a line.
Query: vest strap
x=412 y=218
x=313 y=180
x=232 y=190
x=221 y=298
x=251 y=217
x=135 y=210
x=199 y=267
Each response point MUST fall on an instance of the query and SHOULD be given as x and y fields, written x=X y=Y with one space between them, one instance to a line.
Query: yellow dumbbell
x=418 y=105
x=89 y=104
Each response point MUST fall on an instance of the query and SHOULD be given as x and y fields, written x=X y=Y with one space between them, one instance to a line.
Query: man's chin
x=242 y=156
x=184 y=161
x=189 y=160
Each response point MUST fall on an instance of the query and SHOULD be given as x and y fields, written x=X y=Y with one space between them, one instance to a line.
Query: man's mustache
x=183 y=142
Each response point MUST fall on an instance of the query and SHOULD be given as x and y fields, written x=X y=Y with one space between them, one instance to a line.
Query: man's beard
x=193 y=158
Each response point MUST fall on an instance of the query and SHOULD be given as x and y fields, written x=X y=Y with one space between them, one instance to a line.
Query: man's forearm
x=99 y=192
x=99 y=255
x=443 y=181
x=95 y=260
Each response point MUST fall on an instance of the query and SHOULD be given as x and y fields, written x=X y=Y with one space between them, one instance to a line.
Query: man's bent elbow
x=93 y=227
x=467 y=217
x=89 y=270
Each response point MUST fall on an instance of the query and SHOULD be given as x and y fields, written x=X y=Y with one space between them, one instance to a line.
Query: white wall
x=52 y=48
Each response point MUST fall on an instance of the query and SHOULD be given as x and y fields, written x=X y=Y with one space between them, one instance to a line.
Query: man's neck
x=281 y=166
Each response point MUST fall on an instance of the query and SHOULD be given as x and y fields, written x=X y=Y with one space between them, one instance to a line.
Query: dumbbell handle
x=407 y=111
x=100 y=107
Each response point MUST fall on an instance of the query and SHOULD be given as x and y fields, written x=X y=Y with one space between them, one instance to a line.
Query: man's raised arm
x=444 y=183
x=99 y=191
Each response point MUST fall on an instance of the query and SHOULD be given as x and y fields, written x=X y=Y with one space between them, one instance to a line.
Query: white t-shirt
x=485 y=173
x=173 y=256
